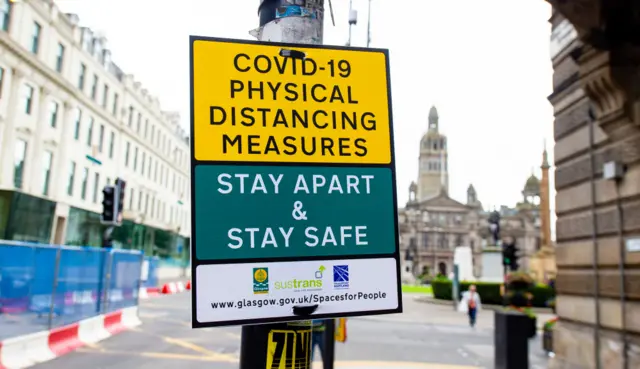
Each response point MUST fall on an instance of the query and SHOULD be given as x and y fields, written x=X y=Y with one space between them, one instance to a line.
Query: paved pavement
x=426 y=336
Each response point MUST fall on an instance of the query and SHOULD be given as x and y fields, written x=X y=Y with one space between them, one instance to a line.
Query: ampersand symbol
x=297 y=212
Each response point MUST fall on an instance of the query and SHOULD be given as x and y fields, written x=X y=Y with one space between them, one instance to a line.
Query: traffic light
x=510 y=256
x=108 y=205
x=120 y=191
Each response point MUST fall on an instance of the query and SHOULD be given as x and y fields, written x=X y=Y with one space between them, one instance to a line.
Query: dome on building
x=532 y=186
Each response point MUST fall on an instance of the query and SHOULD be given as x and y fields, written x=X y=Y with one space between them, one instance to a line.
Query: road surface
x=425 y=336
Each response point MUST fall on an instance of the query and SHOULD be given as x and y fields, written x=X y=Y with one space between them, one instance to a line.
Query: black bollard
x=329 y=353
x=511 y=340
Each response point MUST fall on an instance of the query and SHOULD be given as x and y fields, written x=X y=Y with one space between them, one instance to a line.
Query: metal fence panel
x=79 y=279
x=124 y=280
x=44 y=286
x=150 y=271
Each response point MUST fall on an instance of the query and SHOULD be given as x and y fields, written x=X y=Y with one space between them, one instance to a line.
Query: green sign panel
x=249 y=212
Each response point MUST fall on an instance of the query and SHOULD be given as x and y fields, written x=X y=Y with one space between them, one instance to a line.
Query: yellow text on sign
x=289 y=349
x=251 y=104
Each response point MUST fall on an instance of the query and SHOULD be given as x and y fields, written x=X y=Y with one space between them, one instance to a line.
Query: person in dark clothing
x=317 y=336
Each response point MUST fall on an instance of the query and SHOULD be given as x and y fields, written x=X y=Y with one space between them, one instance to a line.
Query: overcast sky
x=484 y=64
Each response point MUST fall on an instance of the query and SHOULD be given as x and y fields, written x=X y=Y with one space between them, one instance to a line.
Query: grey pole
x=295 y=25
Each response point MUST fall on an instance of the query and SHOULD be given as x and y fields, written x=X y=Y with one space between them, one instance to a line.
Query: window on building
x=27 y=96
x=78 y=124
x=459 y=241
x=131 y=195
x=135 y=159
x=47 y=161
x=146 y=128
x=105 y=95
x=146 y=203
x=1 y=79
x=126 y=154
x=5 y=14
x=59 y=58
x=425 y=240
x=139 y=123
x=90 y=132
x=19 y=158
x=82 y=76
x=83 y=188
x=101 y=138
x=112 y=142
x=130 y=115
x=142 y=166
x=35 y=37
x=53 y=114
x=96 y=183
x=94 y=87
x=139 y=200
x=114 y=109
x=71 y=178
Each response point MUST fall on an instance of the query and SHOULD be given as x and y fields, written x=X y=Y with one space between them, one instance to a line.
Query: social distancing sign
x=293 y=191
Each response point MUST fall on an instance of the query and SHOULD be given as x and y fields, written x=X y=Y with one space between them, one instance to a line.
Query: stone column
x=35 y=179
x=9 y=136
x=61 y=163
x=595 y=318
x=545 y=208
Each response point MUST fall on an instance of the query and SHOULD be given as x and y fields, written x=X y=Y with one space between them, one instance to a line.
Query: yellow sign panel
x=289 y=349
x=251 y=104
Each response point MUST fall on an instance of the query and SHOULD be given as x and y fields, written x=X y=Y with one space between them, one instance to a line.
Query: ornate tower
x=472 y=197
x=545 y=210
x=433 y=171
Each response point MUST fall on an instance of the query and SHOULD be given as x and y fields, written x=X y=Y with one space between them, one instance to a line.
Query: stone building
x=595 y=51
x=432 y=224
x=71 y=122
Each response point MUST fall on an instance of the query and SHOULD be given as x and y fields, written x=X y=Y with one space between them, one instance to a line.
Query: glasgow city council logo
x=260 y=280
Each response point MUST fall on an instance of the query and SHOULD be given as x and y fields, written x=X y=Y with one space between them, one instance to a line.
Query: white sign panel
x=240 y=292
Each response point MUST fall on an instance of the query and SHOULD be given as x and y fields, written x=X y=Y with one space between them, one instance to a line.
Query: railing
x=44 y=286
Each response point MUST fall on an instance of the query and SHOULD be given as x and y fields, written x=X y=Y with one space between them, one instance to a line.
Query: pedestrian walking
x=470 y=304
x=317 y=336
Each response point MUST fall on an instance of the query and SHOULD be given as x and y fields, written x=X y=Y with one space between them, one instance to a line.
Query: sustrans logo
x=260 y=280
x=340 y=277
x=295 y=284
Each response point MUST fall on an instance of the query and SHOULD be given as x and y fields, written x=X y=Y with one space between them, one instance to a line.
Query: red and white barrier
x=25 y=351
x=148 y=292
x=175 y=287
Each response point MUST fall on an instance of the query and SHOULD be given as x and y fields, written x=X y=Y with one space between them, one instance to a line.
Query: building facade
x=596 y=62
x=71 y=122
x=432 y=224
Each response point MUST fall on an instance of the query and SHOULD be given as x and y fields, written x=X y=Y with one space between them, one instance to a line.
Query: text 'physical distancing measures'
x=293 y=180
